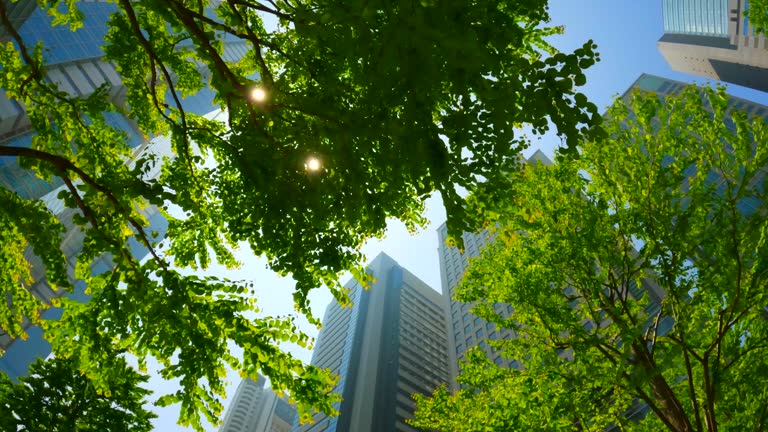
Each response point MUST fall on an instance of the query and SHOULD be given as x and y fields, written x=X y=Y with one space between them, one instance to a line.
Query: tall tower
x=712 y=39
x=75 y=62
x=665 y=87
x=466 y=330
x=257 y=409
x=391 y=344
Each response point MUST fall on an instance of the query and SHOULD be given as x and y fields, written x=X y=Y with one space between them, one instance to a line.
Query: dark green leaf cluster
x=396 y=101
x=56 y=396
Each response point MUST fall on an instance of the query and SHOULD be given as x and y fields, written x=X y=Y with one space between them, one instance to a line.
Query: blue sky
x=625 y=32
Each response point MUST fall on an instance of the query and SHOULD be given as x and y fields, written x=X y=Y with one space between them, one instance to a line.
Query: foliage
x=395 y=99
x=637 y=273
x=757 y=14
x=58 y=397
x=26 y=223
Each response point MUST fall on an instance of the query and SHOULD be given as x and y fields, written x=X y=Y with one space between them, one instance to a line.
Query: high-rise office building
x=466 y=330
x=75 y=62
x=665 y=87
x=283 y=415
x=257 y=409
x=712 y=39
x=388 y=346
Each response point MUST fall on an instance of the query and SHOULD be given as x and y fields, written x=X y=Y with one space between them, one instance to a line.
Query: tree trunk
x=666 y=399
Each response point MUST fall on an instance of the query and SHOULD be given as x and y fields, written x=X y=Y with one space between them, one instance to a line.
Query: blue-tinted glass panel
x=696 y=17
x=199 y=103
x=745 y=22
x=21 y=180
x=653 y=83
x=16 y=360
x=61 y=44
x=24 y=182
x=748 y=206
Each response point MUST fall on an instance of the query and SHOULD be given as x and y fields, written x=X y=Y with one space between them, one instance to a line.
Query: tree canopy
x=757 y=14
x=57 y=397
x=394 y=100
x=638 y=275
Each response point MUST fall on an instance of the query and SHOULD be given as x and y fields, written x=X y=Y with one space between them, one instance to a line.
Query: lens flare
x=312 y=164
x=258 y=94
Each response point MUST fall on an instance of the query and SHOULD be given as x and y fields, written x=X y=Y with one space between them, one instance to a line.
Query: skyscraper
x=75 y=62
x=257 y=409
x=712 y=39
x=466 y=330
x=665 y=87
x=388 y=346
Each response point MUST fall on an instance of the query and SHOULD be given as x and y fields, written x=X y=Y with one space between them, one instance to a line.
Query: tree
x=58 y=397
x=757 y=14
x=637 y=273
x=395 y=100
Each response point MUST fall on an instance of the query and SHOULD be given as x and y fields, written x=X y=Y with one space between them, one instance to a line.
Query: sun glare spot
x=312 y=164
x=258 y=94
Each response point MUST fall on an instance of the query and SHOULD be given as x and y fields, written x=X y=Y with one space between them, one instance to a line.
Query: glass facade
x=285 y=411
x=696 y=17
x=334 y=350
x=468 y=330
x=20 y=354
x=27 y=184
x=388 y=346
x=62 y=45
x=664 y=86
x=74 y=61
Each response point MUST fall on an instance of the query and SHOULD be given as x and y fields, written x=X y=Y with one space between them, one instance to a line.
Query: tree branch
x=743 y=353
x=188 y=20
x=155 y=60
x=88 y=213
x=260 y=7
x=62 y=165
x=692 y=390
x=709 y=394
x=266 y=73
x=36 y=71
x=655 y=408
